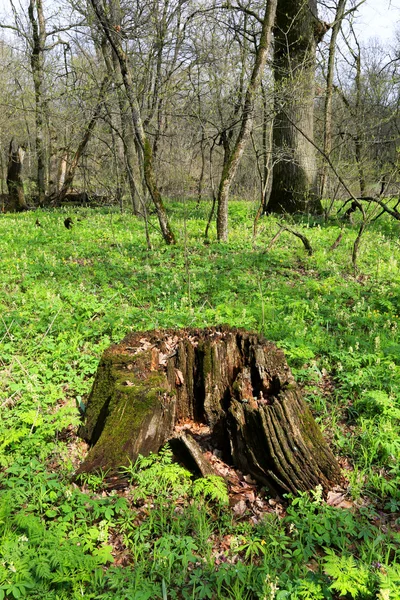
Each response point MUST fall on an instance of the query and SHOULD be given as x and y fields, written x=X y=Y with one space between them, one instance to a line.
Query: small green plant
x=158 y=475
x=211 y=487
x=310 y=590
x=349 y=577
x=94 y=481
x=314 y=524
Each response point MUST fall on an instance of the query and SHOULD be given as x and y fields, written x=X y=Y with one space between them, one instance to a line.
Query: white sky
x=376 y=18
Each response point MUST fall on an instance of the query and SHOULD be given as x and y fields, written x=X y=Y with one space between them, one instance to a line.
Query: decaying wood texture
x=236 y=382
x=16 y=197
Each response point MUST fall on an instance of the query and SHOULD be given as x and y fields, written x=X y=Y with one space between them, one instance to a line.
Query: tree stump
x=235 y=382
x=16 y=197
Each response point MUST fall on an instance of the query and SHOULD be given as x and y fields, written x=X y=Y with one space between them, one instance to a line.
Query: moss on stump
x=236 y=382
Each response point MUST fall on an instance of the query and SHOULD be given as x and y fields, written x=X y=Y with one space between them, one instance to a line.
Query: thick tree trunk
x=16 y=197
x=231 y=165
x=294 y=185
x=236 y=383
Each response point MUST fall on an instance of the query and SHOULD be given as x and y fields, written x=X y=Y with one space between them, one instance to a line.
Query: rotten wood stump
x=235 y=382
x=16 y=198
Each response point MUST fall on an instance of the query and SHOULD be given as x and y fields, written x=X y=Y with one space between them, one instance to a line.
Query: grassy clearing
x=65 y=295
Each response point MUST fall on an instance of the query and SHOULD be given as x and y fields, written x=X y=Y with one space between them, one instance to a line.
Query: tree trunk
x=62 y=170
x=231 y=165
x=37 y=64
x=145 y=145
x=69 y=177
x=358 y=138
x=329 y=93
x=297 y=31
x=16 y=200
x=131 y=158
x=235 y=382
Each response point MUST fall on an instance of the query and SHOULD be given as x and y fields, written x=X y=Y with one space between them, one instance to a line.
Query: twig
x=336 y=242
x=356 y=245
x=274 y=239
x=49 y=327
x=302 y=237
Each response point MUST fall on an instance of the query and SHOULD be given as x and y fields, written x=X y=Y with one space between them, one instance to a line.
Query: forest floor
x=67 y=294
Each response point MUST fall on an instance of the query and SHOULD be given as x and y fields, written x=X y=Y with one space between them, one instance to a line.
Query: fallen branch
x=302 y=237
x=391 y=211
x=274 y=239
x=336 y=242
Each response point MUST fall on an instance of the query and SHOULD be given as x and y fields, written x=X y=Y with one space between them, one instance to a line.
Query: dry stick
x=394 y=213
x=49 y=327
x=336 y=242
x=355 y=200
x=274 y=239
x=383 y=211
x=211 y=215
x=302 y=237
x=332 y=202
x=356 y=245
x=391 y=211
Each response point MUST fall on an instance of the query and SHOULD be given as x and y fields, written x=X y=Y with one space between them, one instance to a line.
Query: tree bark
x=37 y=63
x=235 y=382
x=341 y=6
x=358 y=138
x=231 y=165
x=131 y=158
x=62 y=170
x=16 y=199
x=294 y=185
x=69 y=177
x=145 y=145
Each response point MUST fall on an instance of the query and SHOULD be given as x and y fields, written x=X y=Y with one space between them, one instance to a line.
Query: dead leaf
x=249 y=479
x=129 y=383
x=338 y=499
x=239 y=508
x=162 y=359
x=250 y=495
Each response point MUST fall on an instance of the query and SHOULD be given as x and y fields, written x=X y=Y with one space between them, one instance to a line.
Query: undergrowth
x=65 y=295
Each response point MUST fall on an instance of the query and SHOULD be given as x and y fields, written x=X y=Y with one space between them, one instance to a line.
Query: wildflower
x=23 y=538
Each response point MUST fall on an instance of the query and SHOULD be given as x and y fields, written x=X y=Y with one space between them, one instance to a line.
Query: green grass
x=65 y=295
